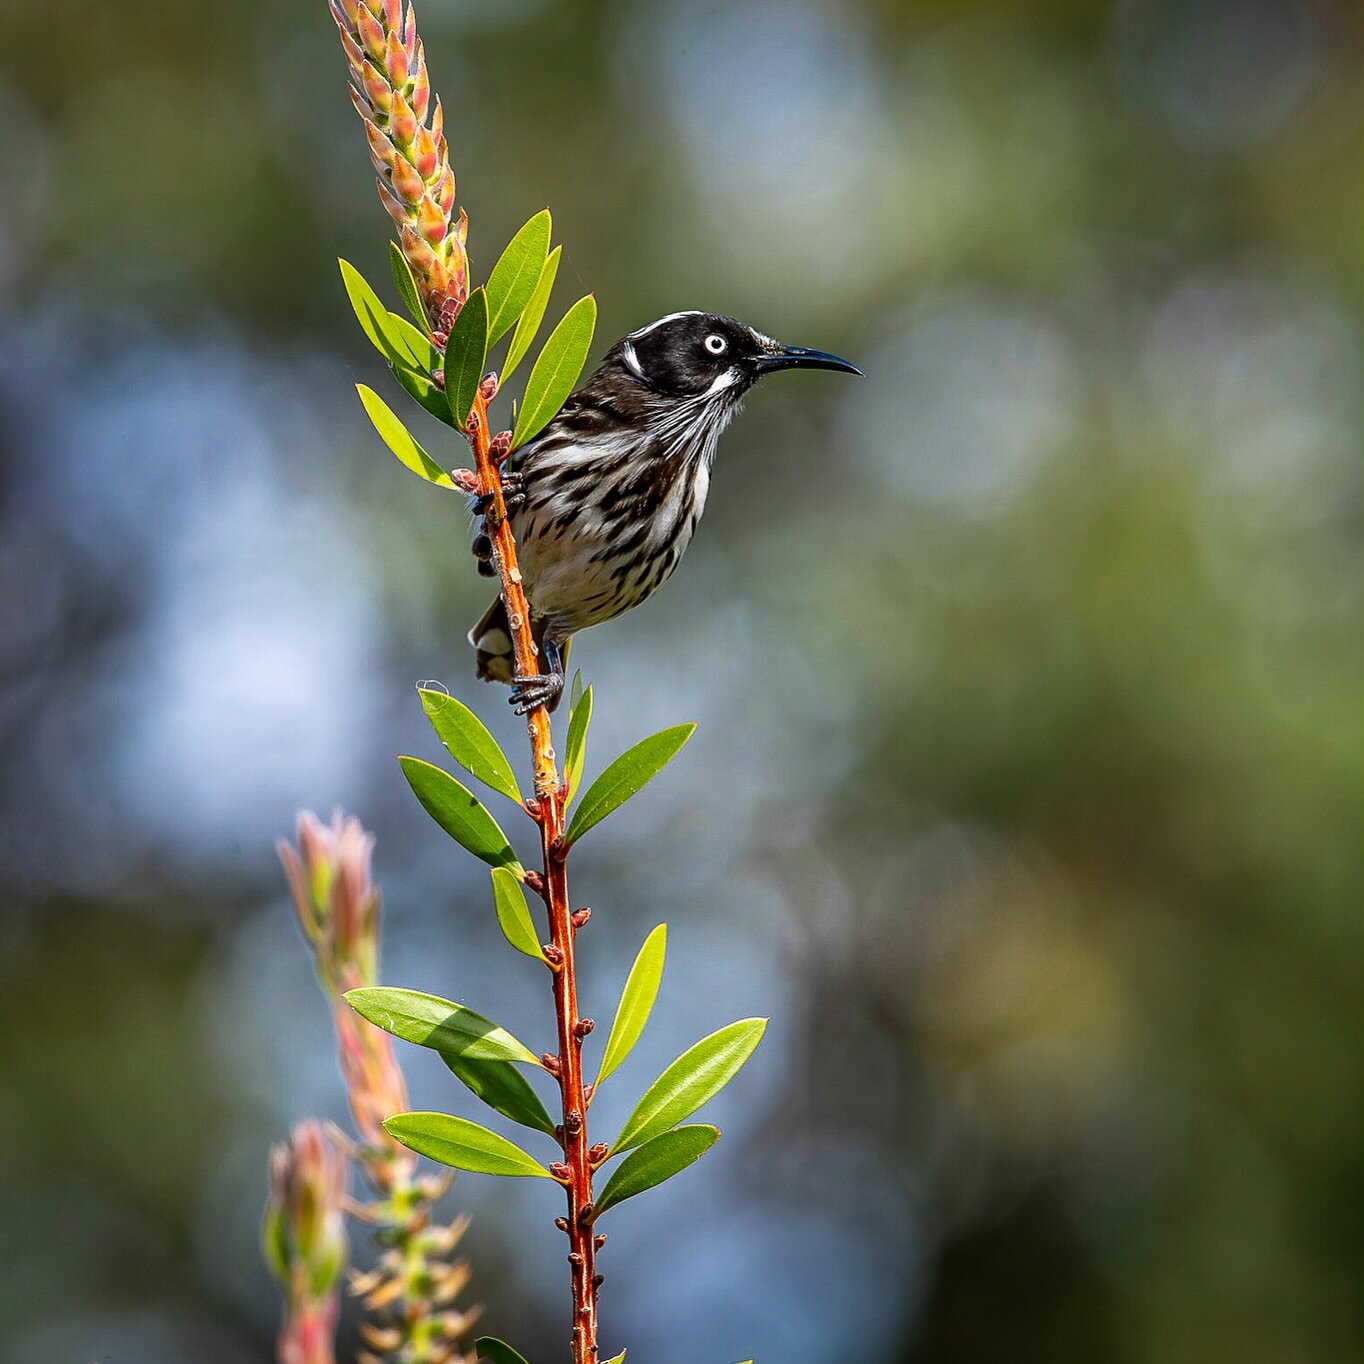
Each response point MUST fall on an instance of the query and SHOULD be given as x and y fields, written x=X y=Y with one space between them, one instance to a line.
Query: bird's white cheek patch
x=722 y=381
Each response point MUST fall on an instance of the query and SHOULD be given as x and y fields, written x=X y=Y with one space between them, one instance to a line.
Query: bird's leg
x=540 y=689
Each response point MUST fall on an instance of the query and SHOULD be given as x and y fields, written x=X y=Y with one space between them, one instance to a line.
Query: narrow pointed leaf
x=441 y=1024
x=699 y=1074
x=556 y=371
x=424 y=358
x=658 y=1159
x=394 y=343
x=490 y=1350
x=618 y=1359
x=575 y=692
x=575 y=746
x=463 y=1144
x=407 y=286
x=468 y=742
x=513 y=914
x=532 y=315
x=516 y=274
x=466 y=352
x=624 y=777
x=460 y=813
x=400 y=440
x=424 y=391
x=503 y=1088
x=636 y=1001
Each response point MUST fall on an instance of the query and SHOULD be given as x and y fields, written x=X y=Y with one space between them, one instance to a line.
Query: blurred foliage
x=1028 y=786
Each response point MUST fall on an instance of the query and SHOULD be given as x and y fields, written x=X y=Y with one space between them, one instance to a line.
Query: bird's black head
x=692 y=355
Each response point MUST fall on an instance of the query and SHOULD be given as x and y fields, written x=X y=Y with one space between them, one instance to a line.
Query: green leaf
x=503 y=1088
x=620 y=1359
x=442 y=1025
x=513 y=914
x=493 y=1351
x=425 y=359
x=575 y=746
x=400 y=440
x=699 y=1074
x=424 y=391
x=463 y=1144
x=556 y=370
x=575 y=692
x=465 y=355
x=636 y=1001
x=532 y=315
x=468 y=742
x=624 y=777
x=460 y=813
x=658 y=1159
x=389 y=334
x=407 y=286
x=516 y=274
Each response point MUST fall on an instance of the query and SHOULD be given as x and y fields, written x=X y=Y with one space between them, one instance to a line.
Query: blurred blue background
x=1026 y=798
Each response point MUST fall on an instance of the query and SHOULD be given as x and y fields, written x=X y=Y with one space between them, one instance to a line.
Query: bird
x=605 y=500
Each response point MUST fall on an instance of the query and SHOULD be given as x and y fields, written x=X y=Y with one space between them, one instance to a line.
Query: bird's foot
x=513 y=496
x=531 y=690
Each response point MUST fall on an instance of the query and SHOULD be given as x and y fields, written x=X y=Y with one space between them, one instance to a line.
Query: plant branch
x=547 y=809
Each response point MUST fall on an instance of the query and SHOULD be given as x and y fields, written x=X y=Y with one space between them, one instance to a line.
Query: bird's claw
x=532 y=690
x=513 y=496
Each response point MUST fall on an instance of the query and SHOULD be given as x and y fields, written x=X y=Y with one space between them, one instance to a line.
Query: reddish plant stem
x=581 y=1251
x=547 y=809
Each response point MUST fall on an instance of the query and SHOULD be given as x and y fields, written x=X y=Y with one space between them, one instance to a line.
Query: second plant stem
x=547 y=809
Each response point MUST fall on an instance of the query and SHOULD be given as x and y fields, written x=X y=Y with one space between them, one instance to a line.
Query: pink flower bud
x=337 y=903
x=431 y=222
x=372 y=35
x=304 y=1231
x=402 y=122
x=398 y=212
x=395 y=60
x=407 y=183
x=424 y=155
x=377 y=89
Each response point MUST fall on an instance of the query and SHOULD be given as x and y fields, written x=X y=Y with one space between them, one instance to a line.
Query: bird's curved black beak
x=799 y=357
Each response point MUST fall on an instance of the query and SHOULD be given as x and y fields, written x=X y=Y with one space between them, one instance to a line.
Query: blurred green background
x=1027 y=796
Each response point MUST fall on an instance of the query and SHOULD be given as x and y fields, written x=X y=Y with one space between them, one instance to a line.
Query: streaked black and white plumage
x=605 y=500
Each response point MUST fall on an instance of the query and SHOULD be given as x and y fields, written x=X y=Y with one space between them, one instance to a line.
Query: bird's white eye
x=716 y=344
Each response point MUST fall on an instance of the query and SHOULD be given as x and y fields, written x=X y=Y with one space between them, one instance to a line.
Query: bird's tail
x=492 y=642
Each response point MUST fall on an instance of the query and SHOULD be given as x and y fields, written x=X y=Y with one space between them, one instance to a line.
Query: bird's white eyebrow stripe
x=671 y=317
